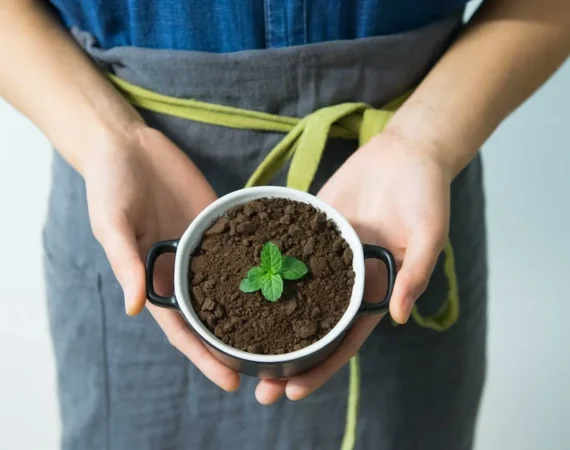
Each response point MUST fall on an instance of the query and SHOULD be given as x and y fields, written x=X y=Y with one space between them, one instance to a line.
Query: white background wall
x=527 y=398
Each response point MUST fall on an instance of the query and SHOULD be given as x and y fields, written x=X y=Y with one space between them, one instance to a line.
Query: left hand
x=396 y=194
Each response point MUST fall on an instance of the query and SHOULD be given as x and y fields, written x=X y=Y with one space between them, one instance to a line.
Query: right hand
x=142 y=189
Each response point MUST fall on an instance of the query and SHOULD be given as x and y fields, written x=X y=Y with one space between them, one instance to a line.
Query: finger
x=180 y=336
x=269 y=391
x=412 y=279
x=303 y=385
x=119 y=242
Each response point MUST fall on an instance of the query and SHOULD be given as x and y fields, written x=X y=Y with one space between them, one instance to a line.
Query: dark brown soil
x=308 y=309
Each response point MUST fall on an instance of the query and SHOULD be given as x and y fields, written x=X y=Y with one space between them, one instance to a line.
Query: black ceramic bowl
x=267 y=366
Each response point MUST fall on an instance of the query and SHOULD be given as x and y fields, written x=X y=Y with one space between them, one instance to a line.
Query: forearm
x=508 y=50
x=49 y=79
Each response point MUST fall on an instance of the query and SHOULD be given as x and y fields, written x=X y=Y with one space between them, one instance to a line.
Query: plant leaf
x=249 y=285
x=253 y=281
x=271 y=259
x=272 y=287
x=255 y=272
x=293 y=268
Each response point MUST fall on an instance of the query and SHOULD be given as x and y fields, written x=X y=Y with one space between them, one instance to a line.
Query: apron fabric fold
x=122 y=386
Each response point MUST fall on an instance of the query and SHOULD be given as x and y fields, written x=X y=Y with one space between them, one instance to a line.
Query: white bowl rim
x=192 y=236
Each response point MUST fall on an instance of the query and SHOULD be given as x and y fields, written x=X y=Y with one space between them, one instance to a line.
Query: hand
x=142 y=189
x=396 y=194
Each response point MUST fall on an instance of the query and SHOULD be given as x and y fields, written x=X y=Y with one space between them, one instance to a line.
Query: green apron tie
x=304 y=144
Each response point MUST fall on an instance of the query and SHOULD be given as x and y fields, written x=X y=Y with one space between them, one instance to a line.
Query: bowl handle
x=155 y=251
x=373 y=251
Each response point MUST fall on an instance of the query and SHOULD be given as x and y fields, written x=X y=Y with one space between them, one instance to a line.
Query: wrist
x=100 y=139
x=417 y=147
x=438 y=138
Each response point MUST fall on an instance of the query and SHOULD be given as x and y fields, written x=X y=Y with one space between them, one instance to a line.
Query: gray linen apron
x=123 y=387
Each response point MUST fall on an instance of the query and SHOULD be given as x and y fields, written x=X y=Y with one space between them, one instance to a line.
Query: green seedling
x=272 y=270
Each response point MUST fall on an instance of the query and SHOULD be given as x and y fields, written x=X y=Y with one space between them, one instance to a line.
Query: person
x=124 y=177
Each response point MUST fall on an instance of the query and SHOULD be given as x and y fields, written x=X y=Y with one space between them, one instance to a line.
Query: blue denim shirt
x=233 y=25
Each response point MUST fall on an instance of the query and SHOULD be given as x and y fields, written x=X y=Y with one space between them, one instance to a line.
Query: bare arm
x=401 y=200
x=507 y=51
x=135 y=177
x=48 y=78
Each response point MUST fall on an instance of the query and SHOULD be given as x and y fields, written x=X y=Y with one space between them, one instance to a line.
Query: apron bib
x=419 y=388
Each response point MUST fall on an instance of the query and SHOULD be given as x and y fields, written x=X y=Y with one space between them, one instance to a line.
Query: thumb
x=412 y=279
x=119 y=242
